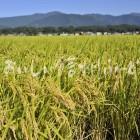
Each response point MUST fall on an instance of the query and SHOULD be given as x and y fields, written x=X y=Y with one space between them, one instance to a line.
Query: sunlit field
x=70 y=88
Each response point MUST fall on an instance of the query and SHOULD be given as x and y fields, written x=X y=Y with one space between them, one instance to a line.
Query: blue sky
x=25 y=7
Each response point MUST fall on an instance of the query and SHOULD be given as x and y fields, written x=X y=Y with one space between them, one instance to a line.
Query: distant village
x=75 y=34
x=72 y=31
x=87 y=34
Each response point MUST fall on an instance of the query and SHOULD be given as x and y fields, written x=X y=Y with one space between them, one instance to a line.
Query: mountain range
x=56 y=19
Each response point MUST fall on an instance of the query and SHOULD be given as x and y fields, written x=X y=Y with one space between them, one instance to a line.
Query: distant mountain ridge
x=56 y=19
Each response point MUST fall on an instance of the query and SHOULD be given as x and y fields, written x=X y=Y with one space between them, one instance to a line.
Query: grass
x=71 y=101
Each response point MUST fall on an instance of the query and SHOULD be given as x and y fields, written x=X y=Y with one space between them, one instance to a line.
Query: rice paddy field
x=70 y=88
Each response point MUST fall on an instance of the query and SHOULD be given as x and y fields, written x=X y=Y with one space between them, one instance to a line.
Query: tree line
x=70 y=29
